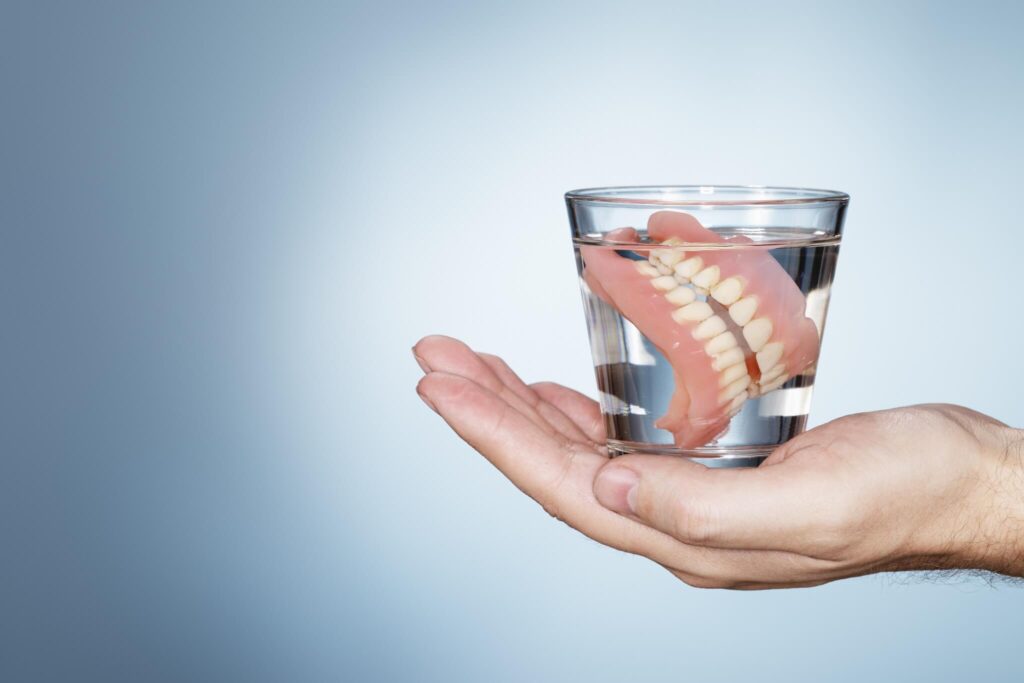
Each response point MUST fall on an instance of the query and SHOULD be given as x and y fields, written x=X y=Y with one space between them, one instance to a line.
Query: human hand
x=924 y=487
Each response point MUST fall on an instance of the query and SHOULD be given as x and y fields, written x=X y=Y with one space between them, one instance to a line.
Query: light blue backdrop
x=224 y=226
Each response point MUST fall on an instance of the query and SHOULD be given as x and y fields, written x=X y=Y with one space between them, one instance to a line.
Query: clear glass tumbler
x=705 y=307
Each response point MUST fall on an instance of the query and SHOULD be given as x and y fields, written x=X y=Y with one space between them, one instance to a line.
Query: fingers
x=444 y=354
x=767 y=508
x=582 y=410
x=551 y=413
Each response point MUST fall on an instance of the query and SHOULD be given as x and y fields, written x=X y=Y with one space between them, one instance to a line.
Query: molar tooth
x=680 y=296
x=734 y=389
x=743 y=310
x=769 y=356
x=646 y=269
x=757 y=333
x=712 y=327
x=772 y=386
x=689 y=268
x=663 y=269
x=773 y=374
x=707 y=278
x=723 y=341
x=737 y=403
x=731 y=374
x=728 y=291
x=698 y=311
x=664 y=283
x=727 y=359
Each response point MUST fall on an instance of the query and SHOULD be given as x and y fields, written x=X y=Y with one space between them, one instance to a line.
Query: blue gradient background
x=225 y=225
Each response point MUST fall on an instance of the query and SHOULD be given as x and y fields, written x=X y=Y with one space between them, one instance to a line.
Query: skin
x=922 y=487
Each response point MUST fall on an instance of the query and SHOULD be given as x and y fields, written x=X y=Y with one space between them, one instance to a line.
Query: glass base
x=731 y=456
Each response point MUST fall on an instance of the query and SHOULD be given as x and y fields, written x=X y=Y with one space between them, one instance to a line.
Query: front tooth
x=723 y=341
x=772 y=386
x=698 y=311
x=689 y=268
x=712 y=327
x=680 y=296
x=736 y=404
x=743 y=310
x=757 y=333
x=707 y=278
x=727 y=359
x=727 y=292
x=734 y=389
x=664 y=283
x=670 y=257
x=646 y=269
x=731 y=374
x=769 y=356
x=773 y=374
x=663 y=269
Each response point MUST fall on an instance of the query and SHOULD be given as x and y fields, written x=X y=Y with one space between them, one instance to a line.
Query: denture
x=730 y=321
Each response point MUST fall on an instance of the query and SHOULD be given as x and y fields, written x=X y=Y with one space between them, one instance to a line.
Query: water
x=636 y=381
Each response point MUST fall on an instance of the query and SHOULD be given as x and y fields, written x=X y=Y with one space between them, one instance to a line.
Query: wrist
x=999 y=506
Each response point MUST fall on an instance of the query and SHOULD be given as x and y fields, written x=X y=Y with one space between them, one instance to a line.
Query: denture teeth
x=757 y=333
x=727 y=359
x=743 y=310
x=680 y=296
x=707 y=278
x=712 y=327
x=646 y=269
x=773 y=374
x=731 y=374
x=688 y=268
x=663 y=269
x=698 y=311
x=722 y=342
x=671 y=257
x=728 y=291
x=772 y=386
x=737 y=403
x=734 y=389
x=664 y=283
x=769 y=356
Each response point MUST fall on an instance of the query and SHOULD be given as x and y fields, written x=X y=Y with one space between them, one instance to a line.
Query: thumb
x=765 y=508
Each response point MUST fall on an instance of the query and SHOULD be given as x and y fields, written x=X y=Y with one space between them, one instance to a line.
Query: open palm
x=897 y=489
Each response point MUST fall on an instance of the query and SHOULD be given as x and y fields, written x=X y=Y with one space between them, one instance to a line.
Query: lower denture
x=730 y=321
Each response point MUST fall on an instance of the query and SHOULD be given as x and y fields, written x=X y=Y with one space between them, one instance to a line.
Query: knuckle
x=694 y=521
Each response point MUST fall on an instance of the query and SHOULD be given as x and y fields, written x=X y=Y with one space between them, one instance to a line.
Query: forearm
x=999 y=503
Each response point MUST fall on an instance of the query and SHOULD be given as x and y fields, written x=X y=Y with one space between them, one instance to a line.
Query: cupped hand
x=924 y=487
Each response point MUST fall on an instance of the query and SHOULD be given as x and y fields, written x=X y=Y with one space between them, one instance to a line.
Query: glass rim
x=699 y=195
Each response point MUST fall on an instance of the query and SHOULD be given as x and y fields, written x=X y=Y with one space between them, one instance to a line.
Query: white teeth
x=731 y=374
x=689 y=268
x=727 y=359
x=712 y=327
x=757 y=333
x=769 y=356
x=663 y=269
x=680 y=296
x=707 y=278
x=737 y=403
x=670 y=257
x=698 y=311
x=646 y=268
x=773 y=374
x=734 y=389
x=772 y=386
x=743 y=310
x=722 y=342
x=664 y=283
x=727 y=292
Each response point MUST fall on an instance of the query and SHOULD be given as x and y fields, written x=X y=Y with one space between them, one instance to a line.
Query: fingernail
x=419 y=361
x=615 y=488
